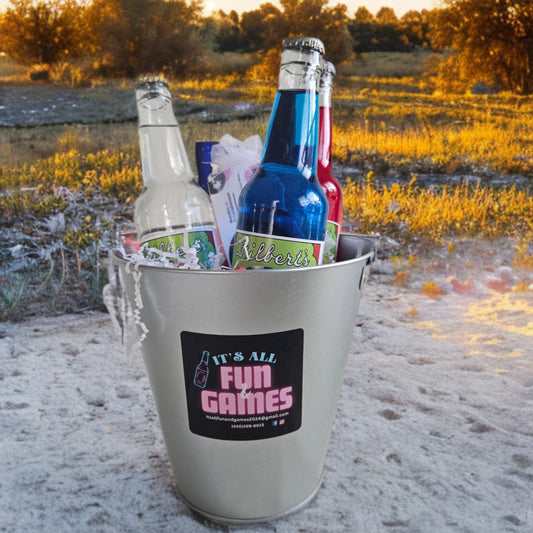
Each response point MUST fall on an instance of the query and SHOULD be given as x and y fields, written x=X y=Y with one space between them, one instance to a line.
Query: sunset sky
x=399 y=6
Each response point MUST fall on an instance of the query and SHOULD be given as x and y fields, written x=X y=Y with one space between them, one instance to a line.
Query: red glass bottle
x=330 y=184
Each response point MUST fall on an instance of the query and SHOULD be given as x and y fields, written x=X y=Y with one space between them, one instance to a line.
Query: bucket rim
x=368 y=257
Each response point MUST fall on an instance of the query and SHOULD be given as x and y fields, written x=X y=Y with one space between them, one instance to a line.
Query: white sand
x=434 y=431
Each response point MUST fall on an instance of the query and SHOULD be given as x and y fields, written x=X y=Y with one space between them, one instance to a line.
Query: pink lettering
x=254 y=377
x=209 y=401
x=242 y=400
x=243 y=376
x=226 y=376
x=252 y=404
x=285 y=397
x=272 y=401
x=262 y=377
x=226 y=403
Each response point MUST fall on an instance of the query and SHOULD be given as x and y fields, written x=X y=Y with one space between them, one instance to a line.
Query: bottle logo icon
x=202 y=371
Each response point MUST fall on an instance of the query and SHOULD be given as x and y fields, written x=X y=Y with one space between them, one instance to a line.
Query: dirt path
x=433 y=431
x=40 y=104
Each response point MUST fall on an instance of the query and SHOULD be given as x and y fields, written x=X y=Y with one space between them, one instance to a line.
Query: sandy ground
x=434 y=430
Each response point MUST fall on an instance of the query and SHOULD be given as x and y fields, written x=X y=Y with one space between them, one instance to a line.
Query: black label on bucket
x=243 y=387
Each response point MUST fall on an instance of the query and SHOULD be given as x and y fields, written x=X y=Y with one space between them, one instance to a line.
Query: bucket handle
x=372 y=241
x=365 y=273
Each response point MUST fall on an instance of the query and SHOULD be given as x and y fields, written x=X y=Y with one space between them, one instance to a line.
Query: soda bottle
x=173 y=214
x=329 y=183
x=282 y=209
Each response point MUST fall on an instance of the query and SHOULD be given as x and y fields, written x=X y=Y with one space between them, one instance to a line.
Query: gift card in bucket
x=233 y=162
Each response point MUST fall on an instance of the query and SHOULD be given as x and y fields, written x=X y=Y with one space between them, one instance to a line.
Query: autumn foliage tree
x=139 y=36
x=227 y=31
x=43 y=32
x=315 y=17
x=362 y=28
x=414 y=28
x=130 y=37
x=385 y=32
x=491 y=41
x=121 y=37
x=261 y=28
x=303 y=17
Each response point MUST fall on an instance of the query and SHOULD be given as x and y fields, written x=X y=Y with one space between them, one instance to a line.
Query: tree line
x=484 y=40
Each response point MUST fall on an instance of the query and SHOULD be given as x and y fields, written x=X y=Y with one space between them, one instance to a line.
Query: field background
x=421 y=168
x=436 y=396
x=387 y=118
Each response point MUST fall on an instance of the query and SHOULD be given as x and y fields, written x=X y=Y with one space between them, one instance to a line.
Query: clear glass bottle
x=173 y=213
x=283 y=209
x=330 y=185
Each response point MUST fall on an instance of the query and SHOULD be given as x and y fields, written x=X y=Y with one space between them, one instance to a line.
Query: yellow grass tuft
x=432 y=215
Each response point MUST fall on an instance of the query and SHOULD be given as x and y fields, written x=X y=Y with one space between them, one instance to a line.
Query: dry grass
x=63 y=188
x=384 y=124
x=432 y=215
x=11 y=71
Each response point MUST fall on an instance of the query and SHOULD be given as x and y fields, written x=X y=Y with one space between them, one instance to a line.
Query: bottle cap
x=309 y=43
x=151 y=81
x=149 y=90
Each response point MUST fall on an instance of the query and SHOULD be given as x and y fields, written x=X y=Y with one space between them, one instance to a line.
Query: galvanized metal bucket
x=246 y=368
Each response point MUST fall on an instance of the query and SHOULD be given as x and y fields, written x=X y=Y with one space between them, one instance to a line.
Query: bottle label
x=250 y=386
x=271 y=251
x=202 y=239
x=332 y=238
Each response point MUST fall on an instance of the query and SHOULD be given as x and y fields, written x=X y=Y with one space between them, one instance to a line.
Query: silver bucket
x=246 y=368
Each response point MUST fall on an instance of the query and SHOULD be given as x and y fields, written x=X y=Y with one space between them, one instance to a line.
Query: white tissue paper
x=233 y=163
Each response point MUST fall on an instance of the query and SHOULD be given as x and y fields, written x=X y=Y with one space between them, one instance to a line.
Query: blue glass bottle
x=283 y=209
